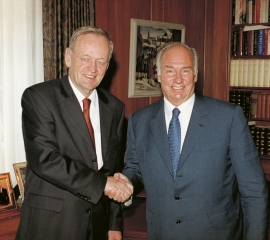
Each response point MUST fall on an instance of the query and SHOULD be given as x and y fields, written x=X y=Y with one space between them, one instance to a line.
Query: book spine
x=266 y=81
x=255 y=42
x=251 y=125
x=240 y=72
x=257 y=136
x=268 y=42
x=238 y=5
x=234 y=43
x=254 y=11
x=249 y=11
x=255 y=73
x=258 y=11
x=261 y=139
x=261 y=73
x=245 y=43
x=260 y=42
x=250 y=38
x=232 y=72
x=267 y=73
x=244 y=11
x=233 y=11
x=262 y=11
x=245 y=72
x=236 y=71
x=250 y=72
x=232 y=96
x=268 y=11
x=265 y=41
x=254 y=104
x=248 y=104
x=267 y=141
x=259 y=106
x=267 y=107
x=240 y=42
x=263 y=105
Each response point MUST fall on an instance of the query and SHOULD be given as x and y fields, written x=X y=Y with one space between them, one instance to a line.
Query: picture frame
x=146 y=39
x=19 y=169
x=7 y=198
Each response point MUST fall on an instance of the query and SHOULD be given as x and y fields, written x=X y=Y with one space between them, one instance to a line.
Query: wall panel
x=203 y=23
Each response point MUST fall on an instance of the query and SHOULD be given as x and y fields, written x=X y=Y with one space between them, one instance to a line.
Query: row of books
x=261 y=137
x=248 y=42
x=250 y=11
x=254 y=104
x=250 y=73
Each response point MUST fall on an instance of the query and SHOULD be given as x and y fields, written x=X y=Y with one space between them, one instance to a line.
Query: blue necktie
x=174 y=137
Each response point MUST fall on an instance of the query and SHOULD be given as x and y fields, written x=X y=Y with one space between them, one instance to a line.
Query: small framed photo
x=146 y=39
x=19 y=169
x=7 y=198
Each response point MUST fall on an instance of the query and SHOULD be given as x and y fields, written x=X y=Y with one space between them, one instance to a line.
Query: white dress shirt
x=184 y=117
x=95 y=119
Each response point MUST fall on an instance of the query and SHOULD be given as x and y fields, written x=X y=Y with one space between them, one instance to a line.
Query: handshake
x=118 y=188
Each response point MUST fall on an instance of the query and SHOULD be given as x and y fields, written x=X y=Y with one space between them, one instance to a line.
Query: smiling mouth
x=177 y=88
x=89 y=76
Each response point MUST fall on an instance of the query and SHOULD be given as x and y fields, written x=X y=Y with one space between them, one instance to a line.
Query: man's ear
x=196 y=77
x=68 y=57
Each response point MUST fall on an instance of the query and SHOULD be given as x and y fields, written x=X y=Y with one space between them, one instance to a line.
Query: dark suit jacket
x=63 y=193
x=219 y=176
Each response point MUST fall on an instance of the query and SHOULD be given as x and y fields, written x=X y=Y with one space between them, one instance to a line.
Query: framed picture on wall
x=146 y=39
x=7 y=198
x=19 y=169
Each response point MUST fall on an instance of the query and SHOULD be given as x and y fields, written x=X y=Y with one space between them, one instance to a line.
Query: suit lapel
x=158 y=130
x=75 y=120
x=106 y=116
x=196 y=126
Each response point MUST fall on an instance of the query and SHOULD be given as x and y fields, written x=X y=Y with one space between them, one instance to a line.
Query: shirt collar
x=184 y=107
x=93 y=97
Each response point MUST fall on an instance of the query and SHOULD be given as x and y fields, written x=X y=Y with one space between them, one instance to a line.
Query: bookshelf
x=250 y=70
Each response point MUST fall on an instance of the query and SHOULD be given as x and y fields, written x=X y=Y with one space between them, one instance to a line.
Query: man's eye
x=85 y=59
x=100 y=63
x=186 y=71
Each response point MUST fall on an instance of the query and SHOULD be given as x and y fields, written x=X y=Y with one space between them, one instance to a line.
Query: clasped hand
x=118 y=188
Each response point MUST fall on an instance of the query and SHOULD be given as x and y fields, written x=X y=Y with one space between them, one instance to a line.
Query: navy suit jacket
x=220 y=190
x=63 y=191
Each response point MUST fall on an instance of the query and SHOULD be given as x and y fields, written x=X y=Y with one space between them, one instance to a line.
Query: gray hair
x=170 y=45
x=93 y=30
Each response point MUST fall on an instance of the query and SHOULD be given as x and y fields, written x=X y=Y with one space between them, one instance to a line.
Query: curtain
x=60 y=19
x=21 y=65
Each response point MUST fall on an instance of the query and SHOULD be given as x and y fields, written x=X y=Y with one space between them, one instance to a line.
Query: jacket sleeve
x=116 y=217
x=131 y=168
x=250 y=178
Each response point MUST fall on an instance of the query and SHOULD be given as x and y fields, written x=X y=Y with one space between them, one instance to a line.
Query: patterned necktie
x=86 y=107
x=174 y=137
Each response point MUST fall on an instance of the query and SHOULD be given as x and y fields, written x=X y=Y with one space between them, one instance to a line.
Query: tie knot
x=176 y=112
x=86 y=104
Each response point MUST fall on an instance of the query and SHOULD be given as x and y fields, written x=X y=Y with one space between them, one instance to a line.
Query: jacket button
x=176 y=198
x=88 y=210
x=178 y=222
